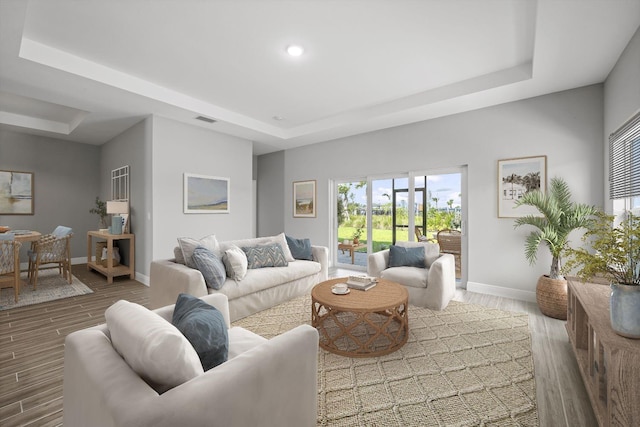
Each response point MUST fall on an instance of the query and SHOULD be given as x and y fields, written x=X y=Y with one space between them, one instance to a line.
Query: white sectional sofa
x=260 y=289
x=263 y=382
x=431 y=286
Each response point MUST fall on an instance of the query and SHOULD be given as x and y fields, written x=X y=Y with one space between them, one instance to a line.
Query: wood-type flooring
x=32 y=353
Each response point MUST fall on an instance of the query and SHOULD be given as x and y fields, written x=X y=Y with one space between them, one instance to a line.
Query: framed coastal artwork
x=206 y=194
x=304 y=199
x=517 y=177
x=16 y=193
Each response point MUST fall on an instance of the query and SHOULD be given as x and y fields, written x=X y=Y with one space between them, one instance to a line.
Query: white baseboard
x=79 y=260
x=144 y=279
x=501 y=291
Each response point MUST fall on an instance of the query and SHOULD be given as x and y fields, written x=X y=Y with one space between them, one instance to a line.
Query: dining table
x=23 y=236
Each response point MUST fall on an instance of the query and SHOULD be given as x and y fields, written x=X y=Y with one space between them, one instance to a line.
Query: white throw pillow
x=188 y=245
x=431 y=250
x=154 y=348
x=235 y=262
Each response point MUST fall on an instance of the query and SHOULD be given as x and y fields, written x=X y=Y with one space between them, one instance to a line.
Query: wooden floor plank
x=32 y=350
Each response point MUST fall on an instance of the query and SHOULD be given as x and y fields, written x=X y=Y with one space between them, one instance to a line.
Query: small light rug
x=467 y=365
x=51 y=286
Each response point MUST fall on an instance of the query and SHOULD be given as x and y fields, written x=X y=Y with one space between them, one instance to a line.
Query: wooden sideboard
x=110 y=270
x=608 y=362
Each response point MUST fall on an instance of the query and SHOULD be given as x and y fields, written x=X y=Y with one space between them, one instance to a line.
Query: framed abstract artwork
x=517 y=177
x=206 y=194
x=304 y=199
x=16 y=193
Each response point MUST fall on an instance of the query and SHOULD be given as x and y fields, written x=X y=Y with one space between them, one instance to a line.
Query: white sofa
x=260 y=289
x=432 y=286
x=263 y=382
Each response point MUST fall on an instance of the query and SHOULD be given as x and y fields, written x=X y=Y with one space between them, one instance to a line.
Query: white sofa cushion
x=263 y=278
x=241 y=340
x=408 y=276
x=151 y=346
x=235 y=262
x=188 y=245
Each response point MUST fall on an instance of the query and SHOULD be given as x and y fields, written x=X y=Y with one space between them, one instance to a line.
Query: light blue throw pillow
x=406 y=257
x=265 y=256
x=204 y=326
x=211 y=267
x=300 y=248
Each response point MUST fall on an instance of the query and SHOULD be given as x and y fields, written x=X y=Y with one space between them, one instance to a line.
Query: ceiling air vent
x=205 y=119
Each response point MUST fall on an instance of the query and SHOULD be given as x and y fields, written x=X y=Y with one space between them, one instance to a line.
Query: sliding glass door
x=373 y=213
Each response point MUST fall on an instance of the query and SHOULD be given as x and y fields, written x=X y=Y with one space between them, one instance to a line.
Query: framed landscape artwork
x=205 y=194
x=304 y=199
x=16 y=193
x=517 y=177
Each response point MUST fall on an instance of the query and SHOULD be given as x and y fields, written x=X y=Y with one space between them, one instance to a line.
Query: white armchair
x=432 y=287
x=264 y=382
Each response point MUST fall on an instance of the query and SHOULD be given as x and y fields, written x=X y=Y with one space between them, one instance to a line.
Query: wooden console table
x=110 y=270
x=608 y=362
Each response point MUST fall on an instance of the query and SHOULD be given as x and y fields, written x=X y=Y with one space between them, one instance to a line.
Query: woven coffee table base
x=360 y=334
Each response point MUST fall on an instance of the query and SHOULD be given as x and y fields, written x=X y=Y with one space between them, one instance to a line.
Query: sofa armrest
x=441 y=282
x=98 y=384
x=273 y=384
x=169 y=279
x=377 y=262
x=321 y=255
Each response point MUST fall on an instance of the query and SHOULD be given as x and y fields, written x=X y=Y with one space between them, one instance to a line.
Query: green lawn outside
x=381 y=238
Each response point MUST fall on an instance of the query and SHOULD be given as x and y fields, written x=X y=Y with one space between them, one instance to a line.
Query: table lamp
x=116 y=208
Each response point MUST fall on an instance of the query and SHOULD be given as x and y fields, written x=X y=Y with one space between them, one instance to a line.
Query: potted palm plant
x=615 y=256
x=559 y=217
x=357 y=234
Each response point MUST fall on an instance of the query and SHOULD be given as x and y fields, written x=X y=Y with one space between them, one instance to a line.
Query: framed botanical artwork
x=16 y=193
x=517 y=177
x=304 y=199
x=206 y=194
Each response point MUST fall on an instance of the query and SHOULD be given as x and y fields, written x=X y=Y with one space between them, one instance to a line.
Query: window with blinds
x=624 y=160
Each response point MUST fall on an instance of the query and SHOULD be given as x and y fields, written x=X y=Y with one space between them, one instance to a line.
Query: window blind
x=624 y=160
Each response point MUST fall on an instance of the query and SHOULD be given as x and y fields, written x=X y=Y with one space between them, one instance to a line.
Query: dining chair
x=421 y=237
x=54 y=248
x=10 y=264
x=450 y=242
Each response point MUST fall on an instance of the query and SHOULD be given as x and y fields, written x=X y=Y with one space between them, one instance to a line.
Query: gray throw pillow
x=203 y=325
x=300 y=248
x=211 y=267
x=265 y=256
x=406 y=257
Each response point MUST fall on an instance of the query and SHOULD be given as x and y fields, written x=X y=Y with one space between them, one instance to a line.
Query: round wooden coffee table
x=361 y=323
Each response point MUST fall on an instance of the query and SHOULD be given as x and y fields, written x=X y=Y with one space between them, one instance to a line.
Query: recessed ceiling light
x=295 y=50
x=278 y=118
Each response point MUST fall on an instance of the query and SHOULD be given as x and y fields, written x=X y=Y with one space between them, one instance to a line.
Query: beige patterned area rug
x=467 y=365
x=51 y=286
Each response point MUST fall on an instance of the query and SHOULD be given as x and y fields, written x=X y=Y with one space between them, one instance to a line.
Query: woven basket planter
x=551 y=295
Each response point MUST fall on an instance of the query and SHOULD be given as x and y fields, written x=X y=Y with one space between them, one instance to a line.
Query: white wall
x=270 y=177
x=179 y=148
x=66 y=179
x=132 y=147
x=621 y=98
x=565 y=126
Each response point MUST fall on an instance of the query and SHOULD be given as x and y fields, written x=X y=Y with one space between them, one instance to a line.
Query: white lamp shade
x=115 y=207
